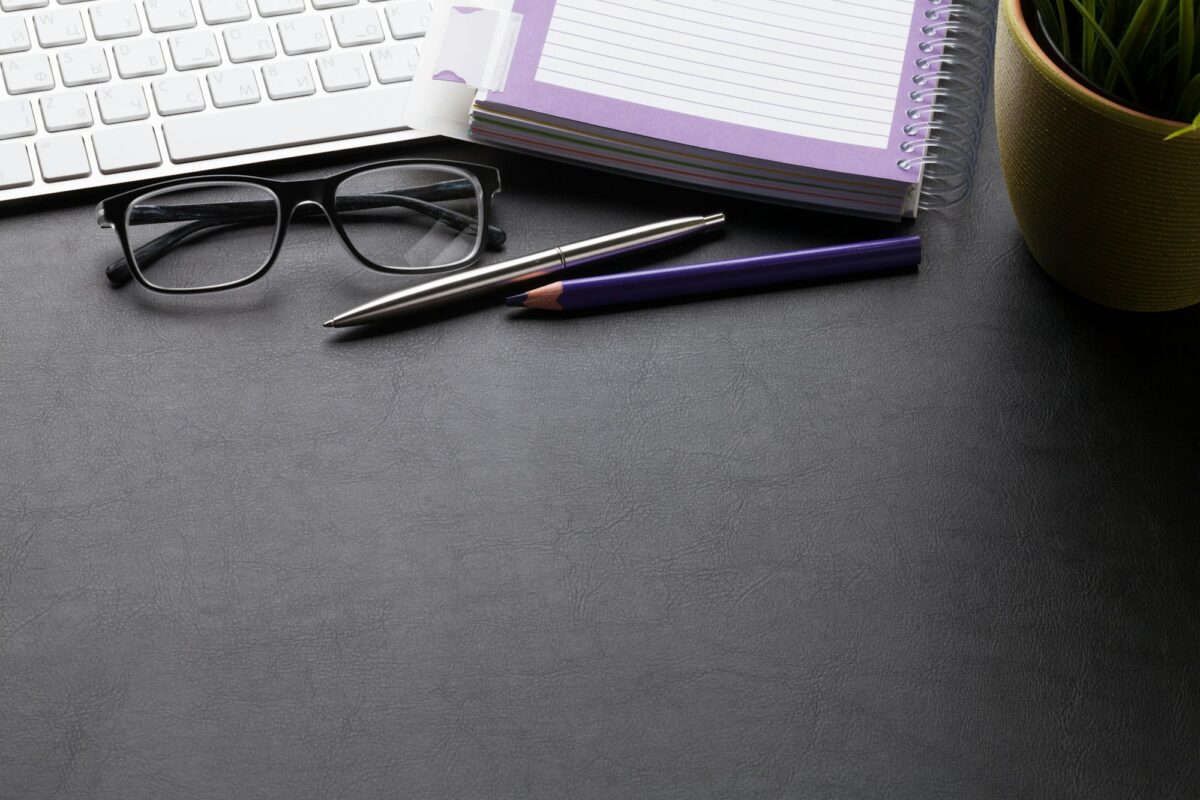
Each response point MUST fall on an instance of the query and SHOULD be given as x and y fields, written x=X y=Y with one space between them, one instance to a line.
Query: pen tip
x=330 y=324
x=517 y=300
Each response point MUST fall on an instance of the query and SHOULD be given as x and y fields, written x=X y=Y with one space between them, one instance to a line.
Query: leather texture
x=929 y=536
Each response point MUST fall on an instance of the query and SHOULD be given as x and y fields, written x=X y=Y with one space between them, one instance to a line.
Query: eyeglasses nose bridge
x=305 y=202
x=312 y=207
x=306 y=208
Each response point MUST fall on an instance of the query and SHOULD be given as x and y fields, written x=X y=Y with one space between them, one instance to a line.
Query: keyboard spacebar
x=286 y=124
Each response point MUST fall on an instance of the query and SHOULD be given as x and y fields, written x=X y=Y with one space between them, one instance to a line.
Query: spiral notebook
x=870 y=107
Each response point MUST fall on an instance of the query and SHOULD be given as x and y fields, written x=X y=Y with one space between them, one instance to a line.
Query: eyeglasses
x=217 y=232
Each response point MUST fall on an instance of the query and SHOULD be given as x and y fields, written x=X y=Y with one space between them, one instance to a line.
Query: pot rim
x=1015 y=14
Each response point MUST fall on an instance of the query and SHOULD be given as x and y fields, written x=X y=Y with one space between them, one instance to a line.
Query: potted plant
x=1097 y=105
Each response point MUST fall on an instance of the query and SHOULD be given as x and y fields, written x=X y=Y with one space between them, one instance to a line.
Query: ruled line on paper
x=870 y=11
x=836 y=108
x=813 y=89
x=740 y=24
x=785 y=67
x=580 y=44
x=794 y=68
x=661 y=23
x=837 y=16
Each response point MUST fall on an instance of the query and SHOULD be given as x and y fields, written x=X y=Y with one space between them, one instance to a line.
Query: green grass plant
x=1142 y=52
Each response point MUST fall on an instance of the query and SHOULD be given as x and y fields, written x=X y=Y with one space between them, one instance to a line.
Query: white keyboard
x=99 y=92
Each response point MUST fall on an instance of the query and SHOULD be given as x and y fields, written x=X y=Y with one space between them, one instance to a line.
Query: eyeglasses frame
x=291 y=195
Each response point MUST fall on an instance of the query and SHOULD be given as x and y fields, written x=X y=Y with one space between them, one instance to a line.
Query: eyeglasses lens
x=204 y=234
x=412 y=217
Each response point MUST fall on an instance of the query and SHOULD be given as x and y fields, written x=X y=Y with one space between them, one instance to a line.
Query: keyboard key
x=63 y=157
x=287 y=79
x=216 y=12
x=194 y=50
x=20 y=5
x=169 y=15
x=320 y=4
x=275 y=8
x=14 y=166
x=271 y=126
x=408 y=18
x=83 y=65
x=122 y=103
x=303 y=35
x=62 y=112
x=14 y=35
x=343 y=71
x=58 y=28
x=27 y=74
x=233 y=87
x=249 y=43
x=357 y=26
x=139 y=58
x=180 y=95
x=16 y=119
x=124 y=149
x=114 y=20
x=394 y=63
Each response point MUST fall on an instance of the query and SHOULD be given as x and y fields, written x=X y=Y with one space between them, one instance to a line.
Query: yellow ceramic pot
x=1109 y=209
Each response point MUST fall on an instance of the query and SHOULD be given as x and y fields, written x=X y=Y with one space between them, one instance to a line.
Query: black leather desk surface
x=933 y=536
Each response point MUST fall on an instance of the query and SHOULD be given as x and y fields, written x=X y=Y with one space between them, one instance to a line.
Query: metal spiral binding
x=950 y=95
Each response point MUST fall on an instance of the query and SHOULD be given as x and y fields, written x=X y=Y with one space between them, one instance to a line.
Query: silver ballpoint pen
x=478 y=280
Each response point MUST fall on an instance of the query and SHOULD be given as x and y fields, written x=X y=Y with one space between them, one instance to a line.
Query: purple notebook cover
x=522 y=91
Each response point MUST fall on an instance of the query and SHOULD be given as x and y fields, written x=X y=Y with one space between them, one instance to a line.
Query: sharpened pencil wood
x=545 y=298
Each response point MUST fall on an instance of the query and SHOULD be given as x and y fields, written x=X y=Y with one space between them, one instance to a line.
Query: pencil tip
x=330 y=324
x=517 y=300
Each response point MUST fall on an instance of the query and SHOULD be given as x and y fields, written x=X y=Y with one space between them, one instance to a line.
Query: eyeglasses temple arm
x=494 y=236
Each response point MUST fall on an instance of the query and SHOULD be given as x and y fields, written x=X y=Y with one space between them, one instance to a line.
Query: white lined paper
x=824 y=69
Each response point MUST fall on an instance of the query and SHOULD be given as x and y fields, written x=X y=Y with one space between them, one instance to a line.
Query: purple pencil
x=839 y=261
